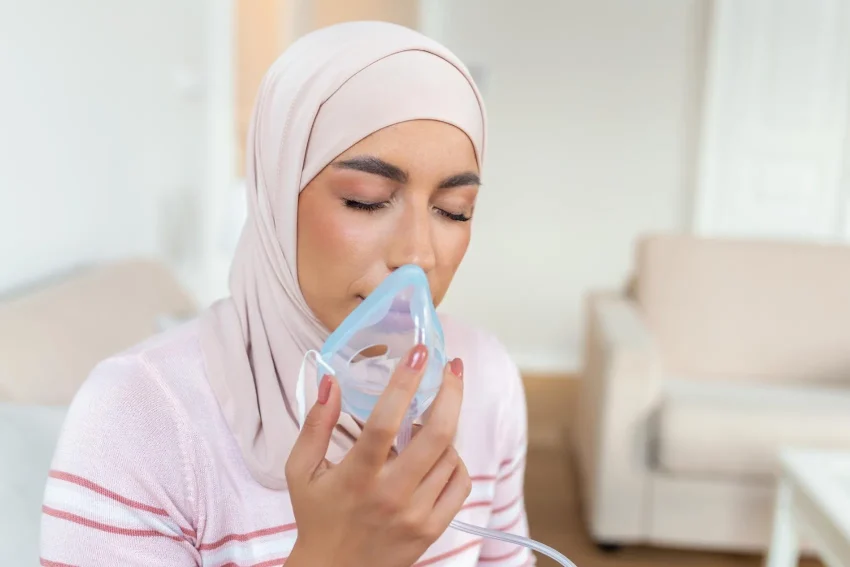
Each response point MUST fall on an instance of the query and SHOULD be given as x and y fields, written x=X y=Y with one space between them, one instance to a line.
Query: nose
x=412 y=241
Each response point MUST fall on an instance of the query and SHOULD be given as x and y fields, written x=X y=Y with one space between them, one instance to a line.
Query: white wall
x=593 y=111
x=101 y=153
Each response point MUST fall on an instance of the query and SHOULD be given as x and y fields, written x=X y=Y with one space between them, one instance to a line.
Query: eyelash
x=368 y=207
x=374 y=207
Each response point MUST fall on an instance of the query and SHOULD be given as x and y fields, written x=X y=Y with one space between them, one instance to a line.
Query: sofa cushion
x=736 y=429
x=744 y=310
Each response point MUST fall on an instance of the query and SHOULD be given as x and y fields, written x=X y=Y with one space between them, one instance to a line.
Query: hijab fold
x=329 y=90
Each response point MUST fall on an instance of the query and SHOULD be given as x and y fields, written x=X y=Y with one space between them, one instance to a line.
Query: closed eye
x=374 y=207
x=459 y=217
x=361 y=206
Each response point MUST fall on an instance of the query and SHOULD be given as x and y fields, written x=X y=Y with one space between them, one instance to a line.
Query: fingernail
x=457 y=367
x=324 y=389
x=416 y=358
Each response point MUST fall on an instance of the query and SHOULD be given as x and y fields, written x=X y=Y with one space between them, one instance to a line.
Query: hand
x=374 y=509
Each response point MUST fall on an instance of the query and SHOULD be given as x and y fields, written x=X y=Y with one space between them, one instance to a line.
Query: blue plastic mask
x=365 y=349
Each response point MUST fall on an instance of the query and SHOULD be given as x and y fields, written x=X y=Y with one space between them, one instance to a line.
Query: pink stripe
x=94 y=487
x=98 y=489
x=105 y=527
x=513 y=471
x=47 y=563
x=506 y=462
x=503 y=464
x=502 y=557
x=270 y=563
x=482 y=477
x=509 y=526
x=446 y=555
x=508 y=505
x=478 y=504
x=246 y=537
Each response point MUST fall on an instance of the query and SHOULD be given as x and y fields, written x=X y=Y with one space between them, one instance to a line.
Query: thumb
x=312 y=444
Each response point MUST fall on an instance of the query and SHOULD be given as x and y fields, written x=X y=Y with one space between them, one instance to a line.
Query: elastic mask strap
x=301 y=385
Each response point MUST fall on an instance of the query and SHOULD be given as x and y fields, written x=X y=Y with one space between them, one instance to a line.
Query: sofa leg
x=608 y=547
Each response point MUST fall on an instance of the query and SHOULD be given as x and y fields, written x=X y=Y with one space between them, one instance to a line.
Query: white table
x=812 y=503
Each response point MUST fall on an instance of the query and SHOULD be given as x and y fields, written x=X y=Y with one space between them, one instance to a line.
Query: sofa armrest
x=54 y=334
x=618 y=390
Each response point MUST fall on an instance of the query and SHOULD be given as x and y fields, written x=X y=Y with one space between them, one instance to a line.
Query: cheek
x=330 y=240
x=452 y=243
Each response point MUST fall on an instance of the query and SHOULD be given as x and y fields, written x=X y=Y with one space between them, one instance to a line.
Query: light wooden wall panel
x=264 y=28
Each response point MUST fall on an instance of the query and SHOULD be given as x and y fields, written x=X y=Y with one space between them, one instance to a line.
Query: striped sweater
x=147 y=473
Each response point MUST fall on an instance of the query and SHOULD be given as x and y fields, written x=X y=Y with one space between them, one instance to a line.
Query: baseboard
x=547 y=363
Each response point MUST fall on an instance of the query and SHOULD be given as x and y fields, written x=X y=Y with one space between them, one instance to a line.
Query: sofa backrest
x=749 y=310
x=52 y=336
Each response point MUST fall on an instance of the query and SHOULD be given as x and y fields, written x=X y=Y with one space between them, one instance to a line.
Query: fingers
x=435 y=437
x=452 y=498
x=310 y=448
x=435 y=481
x=380 y=431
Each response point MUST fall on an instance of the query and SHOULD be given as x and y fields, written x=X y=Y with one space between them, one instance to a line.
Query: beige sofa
x=53 y=334
x=720 y=352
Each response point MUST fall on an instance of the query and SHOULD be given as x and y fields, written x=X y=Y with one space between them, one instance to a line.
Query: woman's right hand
x=374 y=509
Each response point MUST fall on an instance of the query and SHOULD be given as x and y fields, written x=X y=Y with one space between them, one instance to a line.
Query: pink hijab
x=329 y=90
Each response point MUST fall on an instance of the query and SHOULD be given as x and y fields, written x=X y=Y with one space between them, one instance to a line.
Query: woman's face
x=404 y=195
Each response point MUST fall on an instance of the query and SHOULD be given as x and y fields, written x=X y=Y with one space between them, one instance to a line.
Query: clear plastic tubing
x=554 y=554
x=405 y=435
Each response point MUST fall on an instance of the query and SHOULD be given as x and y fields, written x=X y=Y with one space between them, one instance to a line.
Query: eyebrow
x=460 y=180
x=376 y=166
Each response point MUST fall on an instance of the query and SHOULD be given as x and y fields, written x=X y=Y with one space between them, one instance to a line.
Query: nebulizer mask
x=365 y=349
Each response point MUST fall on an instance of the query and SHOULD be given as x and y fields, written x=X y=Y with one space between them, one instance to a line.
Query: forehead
x=419 y=144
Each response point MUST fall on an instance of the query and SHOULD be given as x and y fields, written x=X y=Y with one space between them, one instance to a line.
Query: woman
x=364 y=155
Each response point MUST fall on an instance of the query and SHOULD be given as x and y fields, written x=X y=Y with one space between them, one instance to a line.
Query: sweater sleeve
x=508 y=511
x=121 y=490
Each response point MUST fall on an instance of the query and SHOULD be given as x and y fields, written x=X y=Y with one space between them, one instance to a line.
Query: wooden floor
x=552 y=499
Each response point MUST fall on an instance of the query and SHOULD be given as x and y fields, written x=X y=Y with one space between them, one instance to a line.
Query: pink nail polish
x=416 y=358
x=456 y=366
x=324 y=389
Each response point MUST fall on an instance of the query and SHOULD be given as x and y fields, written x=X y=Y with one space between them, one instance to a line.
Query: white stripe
x=75 y=499
x=250 y=552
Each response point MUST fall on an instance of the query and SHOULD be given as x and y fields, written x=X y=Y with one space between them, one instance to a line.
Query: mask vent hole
x=374 y=351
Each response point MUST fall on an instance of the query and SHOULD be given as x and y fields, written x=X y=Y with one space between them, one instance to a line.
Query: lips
x=397 y=322
x=397 y=318
x=401 y=306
